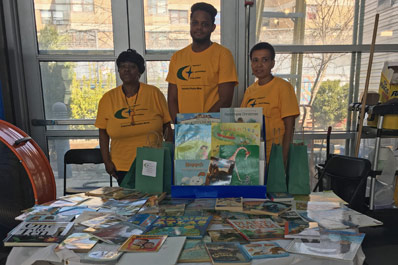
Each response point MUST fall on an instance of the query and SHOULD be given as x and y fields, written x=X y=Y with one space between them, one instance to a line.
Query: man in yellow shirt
x=275 y=96
x=202 y=76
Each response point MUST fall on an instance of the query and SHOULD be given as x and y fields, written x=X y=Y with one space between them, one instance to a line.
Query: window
x=178 y=16
x=52 y=17
x=83 y=5
x=157 y=7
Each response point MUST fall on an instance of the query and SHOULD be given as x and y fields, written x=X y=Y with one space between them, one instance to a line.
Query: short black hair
x=131 y=56
x=208 y=8
x=263 y=46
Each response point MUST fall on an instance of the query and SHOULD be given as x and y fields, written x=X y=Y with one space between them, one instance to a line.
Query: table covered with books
x=121 y=226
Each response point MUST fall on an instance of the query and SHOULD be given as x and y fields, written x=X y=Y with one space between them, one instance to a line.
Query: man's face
x=201 y=26
x=262 y=63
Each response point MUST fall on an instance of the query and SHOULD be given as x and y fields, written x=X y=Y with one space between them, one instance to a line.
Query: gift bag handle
x=158 y=138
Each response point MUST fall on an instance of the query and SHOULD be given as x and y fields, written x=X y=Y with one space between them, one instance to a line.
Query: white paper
x=149 y=168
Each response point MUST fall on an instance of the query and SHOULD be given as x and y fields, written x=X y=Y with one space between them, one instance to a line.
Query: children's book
x=191 y=172
x=172 y=210
x=37 y=210
x=102 y=253
x=103 y=221
x=193 y=227
x=280 y=196
x=226 y=235
x=117 y=233
x=192 y=141
x=333 y=244
x=233 y=134
x=227 y=253
x=49 y=218
x=78 y=242
x=258 y=229
x=239 y=115
x=37 y=234
x=87 y=215
x=103 y=191
x=203 y=204
x=229 y=204
x=194 y=251
x=127 y=194
x=76 y=198
x=220 y=172
x=73 y=210
x=264 y=250
x=143 y=220
x=265 y=207
x=198 y=118
x=246 y=169
x=143 y=243
x=310 y=233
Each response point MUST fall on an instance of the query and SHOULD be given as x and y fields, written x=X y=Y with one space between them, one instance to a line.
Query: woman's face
x=129 y=72
x=262 y=63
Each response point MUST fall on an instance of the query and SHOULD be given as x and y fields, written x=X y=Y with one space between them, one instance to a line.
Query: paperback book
x=118 y=233
x=220 y=172
x=191 y=172
x=143 y=220
x=265 y=207
x=226 y=235
x=192 y=141
x=229 y=204
x=246 y=158
x=194 y=251
x=49 y=218
x=103 y=221
x=143 y=243
x=197 y=118
x=258 y=229
x=280 y=196
x=103 y=191
x=265 y=250
x=102 y=253
x=193 y=227
x=239 y=115
x=78 y=242
x=233 y=134
x=227 y=253
x=37 y=234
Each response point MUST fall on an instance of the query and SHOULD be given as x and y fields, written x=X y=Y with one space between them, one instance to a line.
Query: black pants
x=120 y=176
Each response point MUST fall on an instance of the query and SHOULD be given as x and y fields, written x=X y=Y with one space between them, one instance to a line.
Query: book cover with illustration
x=193 y=227
x=143 y=243
x=270 y=208
x=265 y=250
x=197 y=118
x=233 y=134
x=194 y=251
x=78 y=242
x=258 y=229
x=37 y=234
x=219 y=172
x=226 y=235
x=192 y=141
x=229 y=204
x=102 y=253
x=245 y=115
x=103 y=191
x=227 y=253
x=191 y=172
x=49 y=218
x=280 y=196
x=118 y=233
x=144 y=220
x=333 y=244
x=246 y=157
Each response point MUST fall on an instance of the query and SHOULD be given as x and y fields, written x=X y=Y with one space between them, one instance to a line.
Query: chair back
x=348 y=177
x=83 y=156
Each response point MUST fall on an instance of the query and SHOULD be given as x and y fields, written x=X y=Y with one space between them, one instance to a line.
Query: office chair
x=80 y=157
x=348 y=176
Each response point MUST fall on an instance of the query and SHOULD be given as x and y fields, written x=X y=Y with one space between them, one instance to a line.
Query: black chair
x=348 y=176
x=80 y=157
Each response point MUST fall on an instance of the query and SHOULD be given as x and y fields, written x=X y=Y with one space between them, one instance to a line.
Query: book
x=194 y=251
x=264 y=250
x=172 y=210
x=127 y=193
x=332 y=244
x=265 y=207
x=76 y=198
x=192 y=141
x=280 y=196
x=37 y=234
x=87 y=215
x=229 y=204
x=143 y=243
x=103 y=221
x=203 y=204
x=143 y=220
x=37 y=210
x=117 y=233
x=220 y=172
x=49 y=218
x=242 y=115
x=227 y=253
x=191 y=172
x=233 y=134
x=197 y=118
x=246 y=157
x=226 y=235
x=103 y=191
x=102 y=253
x=78 y=242
x=257 y=229
x=193 y=227
x=308 y=233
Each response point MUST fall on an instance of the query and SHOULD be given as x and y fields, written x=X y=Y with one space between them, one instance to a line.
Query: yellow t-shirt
x=150 y=113
x=198 y=74
x=278 y=100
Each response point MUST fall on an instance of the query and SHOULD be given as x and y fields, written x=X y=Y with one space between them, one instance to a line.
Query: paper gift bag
x=276 y=178
x=297 y=170
x=149 y=169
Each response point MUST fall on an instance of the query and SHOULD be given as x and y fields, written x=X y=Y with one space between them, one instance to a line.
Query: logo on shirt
x=253 y=100
x=181 y=73
x=119 y=114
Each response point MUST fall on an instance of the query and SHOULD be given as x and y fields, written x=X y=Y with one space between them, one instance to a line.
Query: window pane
x=318 y=22
x=74 y=25
x=156 y=74
x=72 y=90
x=89 y=175
x=167 y=24
x=387 y=32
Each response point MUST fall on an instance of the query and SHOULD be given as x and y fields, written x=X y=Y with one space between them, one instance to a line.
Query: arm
x=225 y=93
x=172 y=101
x=104 y=147
x=288 y=136
x=167 y=132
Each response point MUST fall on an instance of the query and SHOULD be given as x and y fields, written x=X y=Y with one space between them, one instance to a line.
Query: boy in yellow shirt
x=275 y=96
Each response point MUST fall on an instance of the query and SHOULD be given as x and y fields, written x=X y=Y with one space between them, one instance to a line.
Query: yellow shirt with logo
x=147 y=110
x=198 y=74
x=278 y=100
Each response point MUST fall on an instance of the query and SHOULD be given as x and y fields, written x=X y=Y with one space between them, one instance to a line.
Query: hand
x=110 y=168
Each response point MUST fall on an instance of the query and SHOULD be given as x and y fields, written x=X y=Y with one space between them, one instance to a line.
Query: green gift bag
x=276 y=178
x=297 y=172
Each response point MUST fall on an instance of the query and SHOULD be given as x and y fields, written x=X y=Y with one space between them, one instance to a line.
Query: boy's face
x=201 y=26
x=262 y=63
